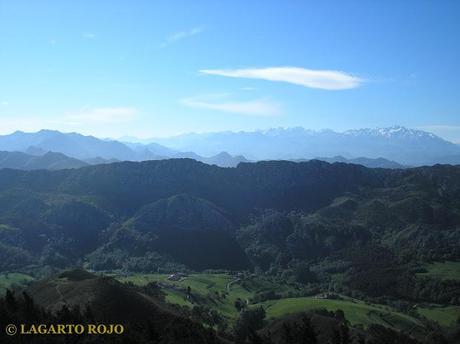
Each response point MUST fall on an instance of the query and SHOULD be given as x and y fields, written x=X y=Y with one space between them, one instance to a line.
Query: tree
x=239 y=304
x=11 y=301
x=307 y=331
x=249 y=319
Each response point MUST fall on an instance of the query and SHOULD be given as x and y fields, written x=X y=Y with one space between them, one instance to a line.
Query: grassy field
x=443 y=271
x=445 y=316
x=11 y=280
x=357 y=312
x=214 y=291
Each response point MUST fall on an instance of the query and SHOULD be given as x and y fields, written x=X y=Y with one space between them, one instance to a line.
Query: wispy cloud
x=177 y=36
x=256 y=107
x=323 y=79
x=105 y=115
x=89 y=35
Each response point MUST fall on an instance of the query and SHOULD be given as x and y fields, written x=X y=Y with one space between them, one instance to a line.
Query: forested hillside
x=320 y=230
x=306 y=211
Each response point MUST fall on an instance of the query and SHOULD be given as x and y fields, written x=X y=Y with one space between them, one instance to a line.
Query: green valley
x=221 y=291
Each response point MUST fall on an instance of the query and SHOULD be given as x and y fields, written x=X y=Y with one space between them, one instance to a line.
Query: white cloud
x=104 y=115
x=323 y=79
x=177 y=36
x=256 y=107
x=89 y=35
x=5 y=103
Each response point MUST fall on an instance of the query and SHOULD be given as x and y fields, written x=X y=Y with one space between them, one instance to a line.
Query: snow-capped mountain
x=403 y=145
x=398 y=144
x=391 y=132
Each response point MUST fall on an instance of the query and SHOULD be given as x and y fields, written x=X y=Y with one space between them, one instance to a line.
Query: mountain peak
x=396 y=131
x=49 y=131
x=223 y=154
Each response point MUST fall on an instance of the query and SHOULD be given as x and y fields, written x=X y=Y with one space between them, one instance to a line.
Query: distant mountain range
x=30 y=151
x=395 y=147
x=402 y=145
x=71 y=144
x=47 y=161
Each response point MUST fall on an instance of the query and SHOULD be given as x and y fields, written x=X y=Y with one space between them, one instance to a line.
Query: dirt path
x=229 y=284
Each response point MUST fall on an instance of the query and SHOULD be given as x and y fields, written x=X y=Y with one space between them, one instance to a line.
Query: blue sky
x=159 y=68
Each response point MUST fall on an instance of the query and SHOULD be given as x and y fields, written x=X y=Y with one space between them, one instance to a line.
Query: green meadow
x=442 y=270
x=13 y=280
x=357 y=312
x=445 y=316
x=220 y=291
